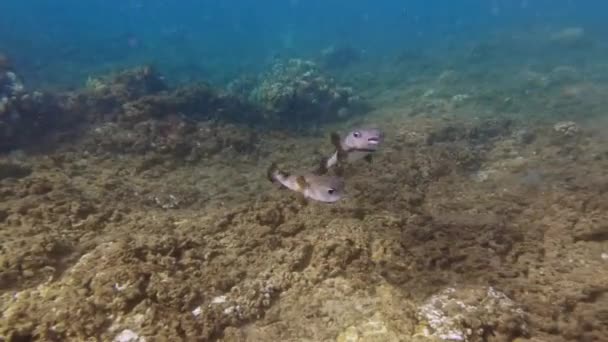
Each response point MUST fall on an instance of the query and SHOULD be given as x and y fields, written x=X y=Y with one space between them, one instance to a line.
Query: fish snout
x=373 y=140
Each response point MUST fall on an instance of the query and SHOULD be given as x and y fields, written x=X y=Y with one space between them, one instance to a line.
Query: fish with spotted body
x=356 y=145
x=322 y=188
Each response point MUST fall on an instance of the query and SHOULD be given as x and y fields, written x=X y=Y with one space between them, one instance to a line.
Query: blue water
x=61 y=42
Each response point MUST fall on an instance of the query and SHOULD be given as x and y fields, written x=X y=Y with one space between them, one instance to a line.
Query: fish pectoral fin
x=341 y=154
x=368 y=158
x=322 y=167
x=302 y=199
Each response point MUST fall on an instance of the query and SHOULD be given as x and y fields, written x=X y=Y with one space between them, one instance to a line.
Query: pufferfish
x=322 y=188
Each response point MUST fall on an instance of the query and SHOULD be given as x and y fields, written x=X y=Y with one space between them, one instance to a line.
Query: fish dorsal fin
x=341 y=154
x=301 y=182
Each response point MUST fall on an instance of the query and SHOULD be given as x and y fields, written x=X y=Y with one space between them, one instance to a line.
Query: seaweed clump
x=297 y=92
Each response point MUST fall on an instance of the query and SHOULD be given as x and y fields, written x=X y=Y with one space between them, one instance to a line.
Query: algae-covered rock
x=11 y=88
x=470 y=314
x=373 y=330
x=198 y=101
x=25 y=115
x=296 y=91
x=128 y=84
x=566 y=128
x=173 y=137
x=13 y=170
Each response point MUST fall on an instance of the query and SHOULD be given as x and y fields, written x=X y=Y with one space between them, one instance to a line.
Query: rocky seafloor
x=147 y=217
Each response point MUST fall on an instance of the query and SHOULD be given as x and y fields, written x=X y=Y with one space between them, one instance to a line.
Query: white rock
x=218 y=300
x=444 y=313
x=460 y=97
x=128 y=335
x=567 y=128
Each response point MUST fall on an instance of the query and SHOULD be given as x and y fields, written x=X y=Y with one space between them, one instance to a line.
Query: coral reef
x=297 y=92
x=128 y=84
x=293 y=94
x=11 y=90
x=128 y=106
x=26 y=116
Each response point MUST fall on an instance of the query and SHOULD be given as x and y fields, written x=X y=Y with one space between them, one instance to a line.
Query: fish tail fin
x=274 y=171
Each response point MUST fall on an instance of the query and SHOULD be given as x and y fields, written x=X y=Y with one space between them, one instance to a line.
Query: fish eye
x=331 y=191
x=356 y=134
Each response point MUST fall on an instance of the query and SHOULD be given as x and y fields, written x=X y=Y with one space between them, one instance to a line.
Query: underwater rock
x=26 y=116
x=5 y=62
x=103 y=97
x=566 y=128
x=11 y=170
x=174 y=137
x=447 y=133
x=471 y=314
x=140 y=94
x=198 y=102
x=591 y=230
x=376 y=329
x=128 y=84
x=490 y=129
x=297 y=92
x=482 y=132
x=242 y=86
x=524 y=136
x=11 y=88
x=128 y=335
x=10 y=84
